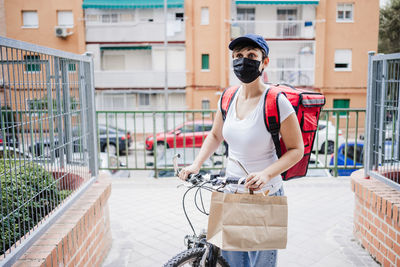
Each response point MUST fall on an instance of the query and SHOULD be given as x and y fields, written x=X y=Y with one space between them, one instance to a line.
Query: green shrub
x=28 y=194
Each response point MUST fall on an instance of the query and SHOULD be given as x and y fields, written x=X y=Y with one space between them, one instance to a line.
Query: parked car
x=112 y=162
x=355 y=157
x=8 y=120
x=188 y=134
x=324 y=137
x=9 y=139
x=124 y=137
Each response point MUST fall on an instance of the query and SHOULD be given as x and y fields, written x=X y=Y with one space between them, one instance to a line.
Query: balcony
x=293 y=76
x=138 y=79
x=288 y=29
x=134 y=31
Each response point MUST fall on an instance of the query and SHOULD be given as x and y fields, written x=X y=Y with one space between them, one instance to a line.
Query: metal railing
x=47 y=141
x=382 y=159
x=183 y=132
x=275 y=29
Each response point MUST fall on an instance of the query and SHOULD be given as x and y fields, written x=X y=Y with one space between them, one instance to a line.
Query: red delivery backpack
x=307 y=106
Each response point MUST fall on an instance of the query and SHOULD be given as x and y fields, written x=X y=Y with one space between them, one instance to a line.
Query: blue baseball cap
x=258 y=40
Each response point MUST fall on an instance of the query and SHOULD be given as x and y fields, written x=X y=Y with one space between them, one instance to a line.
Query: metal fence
x=147 y=140
x=382 y=159
x=47 y=141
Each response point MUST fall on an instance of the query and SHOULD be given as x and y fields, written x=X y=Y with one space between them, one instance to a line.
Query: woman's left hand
x=257 y=180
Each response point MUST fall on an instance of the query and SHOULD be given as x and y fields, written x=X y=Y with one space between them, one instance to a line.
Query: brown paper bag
x=244 y=222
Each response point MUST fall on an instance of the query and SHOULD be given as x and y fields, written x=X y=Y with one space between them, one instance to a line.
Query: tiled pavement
x=148 y=224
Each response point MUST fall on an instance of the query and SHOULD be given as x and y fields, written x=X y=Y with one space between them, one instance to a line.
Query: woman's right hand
x=184 y=173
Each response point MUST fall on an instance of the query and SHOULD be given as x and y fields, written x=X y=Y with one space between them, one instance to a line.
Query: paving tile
x=148 y=224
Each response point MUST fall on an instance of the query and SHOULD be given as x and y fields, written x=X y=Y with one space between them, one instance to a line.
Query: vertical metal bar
x=92 y=137
x=382 y=113
x=60 y=131
x=347 y=137
x=356 y=139
x=336 y=143
x=117 y=137
x=83 y=105
x=368 y=129
x=126 y=141
x=50 y=107
x=155 y=146
x=67 y=111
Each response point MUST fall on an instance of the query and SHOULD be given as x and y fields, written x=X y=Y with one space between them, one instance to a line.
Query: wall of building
x=47 y=15
x=211 y=39
x=2 y=19
x=360 y=36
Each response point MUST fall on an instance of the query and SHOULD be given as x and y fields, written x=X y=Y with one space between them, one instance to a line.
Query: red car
x=184 y=135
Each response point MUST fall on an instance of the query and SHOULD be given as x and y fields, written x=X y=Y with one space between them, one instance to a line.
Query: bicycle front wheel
x=192 y=257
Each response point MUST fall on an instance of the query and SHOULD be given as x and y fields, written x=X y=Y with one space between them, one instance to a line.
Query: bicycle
x=199 y=252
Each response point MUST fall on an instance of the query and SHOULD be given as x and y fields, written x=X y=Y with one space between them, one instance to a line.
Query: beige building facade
x=319 y=45
x=35 y=21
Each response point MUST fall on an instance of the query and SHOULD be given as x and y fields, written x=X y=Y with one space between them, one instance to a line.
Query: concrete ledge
x=80 y=237
x=376 y=218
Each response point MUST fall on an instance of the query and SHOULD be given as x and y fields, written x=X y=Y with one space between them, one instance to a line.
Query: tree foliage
x=389 y=28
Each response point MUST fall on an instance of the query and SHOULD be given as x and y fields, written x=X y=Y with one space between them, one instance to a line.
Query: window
x=92 y=17
x=341 y=103
x=344 y=13
x=71 y=67
x=359 y=153
x=127 y=17
x=247 y=15
x=203 y=127
x=32 y=63
x=179 y=16
x=343 y=60
x=205 y=62
x=205 y=16
x=30 y=19
x=188 y=128
x=205 y=104
x=144 y=99
x=285 y=27
x=65 y=18
x=109 y=18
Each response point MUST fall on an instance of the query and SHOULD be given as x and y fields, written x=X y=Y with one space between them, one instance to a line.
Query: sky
x=383 y=2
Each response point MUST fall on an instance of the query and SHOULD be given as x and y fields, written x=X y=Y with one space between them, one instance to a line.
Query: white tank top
x=250 y=142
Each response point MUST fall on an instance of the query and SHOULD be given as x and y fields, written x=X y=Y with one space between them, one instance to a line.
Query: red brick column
x=80 y=237
x=376 y=218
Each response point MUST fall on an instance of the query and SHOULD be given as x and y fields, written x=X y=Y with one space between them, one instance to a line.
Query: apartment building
x=127 y=39
x=320 y=45
x=56 y=24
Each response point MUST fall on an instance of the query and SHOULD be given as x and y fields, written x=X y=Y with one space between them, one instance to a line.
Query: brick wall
x=376 y=218
x=80 y=237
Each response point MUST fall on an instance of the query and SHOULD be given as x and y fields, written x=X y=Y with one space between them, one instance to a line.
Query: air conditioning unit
x=62 y=31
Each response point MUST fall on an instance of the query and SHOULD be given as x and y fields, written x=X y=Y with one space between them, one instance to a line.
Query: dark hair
x=249 y=45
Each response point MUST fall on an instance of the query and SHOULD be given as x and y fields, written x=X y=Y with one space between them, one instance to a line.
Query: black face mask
x=246 y=69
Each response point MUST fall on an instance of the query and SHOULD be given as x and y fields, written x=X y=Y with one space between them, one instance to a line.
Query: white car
x=326 y=137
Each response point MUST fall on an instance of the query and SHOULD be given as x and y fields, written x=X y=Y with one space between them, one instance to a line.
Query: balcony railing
x=138 y=79
x=274 y=29
x=134 y=31
x=293 y=76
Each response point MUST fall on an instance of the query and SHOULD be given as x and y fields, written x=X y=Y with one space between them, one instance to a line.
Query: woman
x=249 y=141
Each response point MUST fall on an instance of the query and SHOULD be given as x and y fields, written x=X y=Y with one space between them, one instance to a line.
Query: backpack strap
x=226 y=99
x=271 y=116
